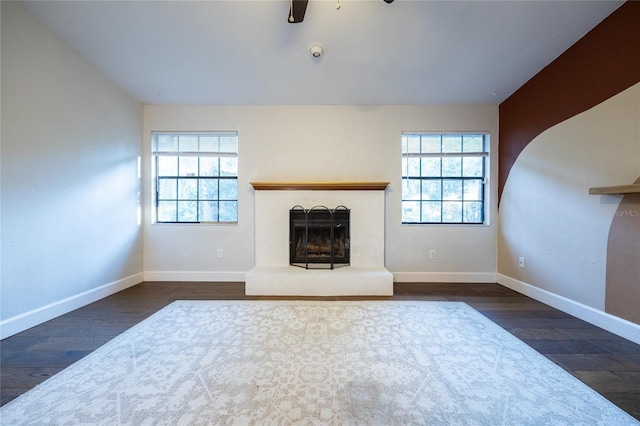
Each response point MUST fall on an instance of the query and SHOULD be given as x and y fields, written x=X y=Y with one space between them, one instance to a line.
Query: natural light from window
x=443 y=178
x=196 y=177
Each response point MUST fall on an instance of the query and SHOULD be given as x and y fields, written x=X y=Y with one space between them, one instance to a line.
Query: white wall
x=70 y=187
x=548 y=217
x=319 y=143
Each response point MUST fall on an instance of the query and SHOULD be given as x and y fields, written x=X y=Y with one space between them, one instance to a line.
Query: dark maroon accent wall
x=603 y=63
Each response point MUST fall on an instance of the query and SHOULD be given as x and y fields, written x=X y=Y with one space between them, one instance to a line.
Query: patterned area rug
x=310 y=362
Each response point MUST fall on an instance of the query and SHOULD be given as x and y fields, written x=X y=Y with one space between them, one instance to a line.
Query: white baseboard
x=444 y=277
x=611 y=323
x=24 y=321
x=206 y=276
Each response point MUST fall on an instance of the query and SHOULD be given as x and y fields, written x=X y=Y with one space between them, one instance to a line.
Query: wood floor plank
x=597 y=362
x=564 y=346
x=606 y=362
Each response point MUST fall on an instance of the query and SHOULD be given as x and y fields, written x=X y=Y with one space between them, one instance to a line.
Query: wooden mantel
x=319 y=186
x=615 y=190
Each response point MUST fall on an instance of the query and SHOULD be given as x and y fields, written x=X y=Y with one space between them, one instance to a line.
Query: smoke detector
x=317 y=50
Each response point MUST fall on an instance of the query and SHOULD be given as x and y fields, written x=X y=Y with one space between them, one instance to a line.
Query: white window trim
x=154 y=181
x=485 y=181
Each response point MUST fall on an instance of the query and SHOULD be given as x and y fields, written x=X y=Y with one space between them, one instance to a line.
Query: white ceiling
x=245 y=52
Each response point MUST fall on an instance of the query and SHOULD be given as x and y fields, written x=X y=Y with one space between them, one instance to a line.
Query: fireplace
x=319 y=237
x=358 y=270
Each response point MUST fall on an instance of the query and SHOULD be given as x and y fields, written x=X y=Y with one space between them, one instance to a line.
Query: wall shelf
x=320 y=186
x=615 y=190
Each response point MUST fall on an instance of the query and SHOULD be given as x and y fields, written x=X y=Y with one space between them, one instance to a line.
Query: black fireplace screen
x=319 y=237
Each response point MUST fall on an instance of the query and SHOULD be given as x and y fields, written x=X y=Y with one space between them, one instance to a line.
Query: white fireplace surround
x=272 y=274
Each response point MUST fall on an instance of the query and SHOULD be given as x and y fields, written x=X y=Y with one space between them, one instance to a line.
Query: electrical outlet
x=432 y=254
x=220 y=253
x=521 y=262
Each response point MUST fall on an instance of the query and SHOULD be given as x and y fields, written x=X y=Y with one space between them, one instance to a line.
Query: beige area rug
x=312 y=363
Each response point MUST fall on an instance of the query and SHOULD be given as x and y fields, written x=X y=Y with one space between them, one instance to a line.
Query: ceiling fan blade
x=297 y=10
x=299 y=7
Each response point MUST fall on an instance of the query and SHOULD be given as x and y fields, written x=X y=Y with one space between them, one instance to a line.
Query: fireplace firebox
x=319 y=237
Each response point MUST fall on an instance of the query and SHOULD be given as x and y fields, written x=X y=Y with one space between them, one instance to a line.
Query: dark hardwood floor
x=607 y=363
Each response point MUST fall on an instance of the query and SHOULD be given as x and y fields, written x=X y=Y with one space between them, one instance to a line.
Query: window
x=443 y=178
x=196 y=177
